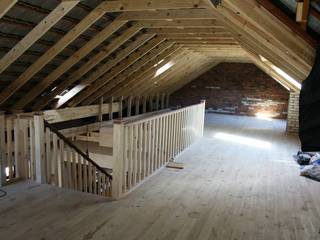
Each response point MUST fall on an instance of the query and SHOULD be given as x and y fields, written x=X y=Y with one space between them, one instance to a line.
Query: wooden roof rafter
x=5 y=6
x=231 y=31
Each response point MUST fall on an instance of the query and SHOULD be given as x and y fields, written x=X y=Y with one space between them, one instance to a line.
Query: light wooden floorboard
x=227 y=191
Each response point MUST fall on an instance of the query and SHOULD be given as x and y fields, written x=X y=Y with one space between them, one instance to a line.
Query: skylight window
x=287 y=76
x=163 y=69
x=282 y=73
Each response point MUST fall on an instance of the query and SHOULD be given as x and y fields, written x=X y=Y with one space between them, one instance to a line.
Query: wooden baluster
x=160 y=127
x=151 y=103
x=25 y=148
x=17 y=147
x=149 y=148
x=181 y=130
x=170 y=137
x=144 y=106
x=129 y=106
x=167 y=137
x=94 y=179
x=130 y=156
x=104 y=186
x=90 y=178
x=80 y=173
x=184 y=129
x=167 y=100
x=145 y=150
x=3 y=157
x=137 y=106
x=111 y=108
x=156 y=144
x=152 y=146
x=125 y=172
x=69 y=170
x=157 y=102
x=85 y=175
x=32 y=164
x=163 y=101
x=48 y=161
x=140 y=157
x=165 y=140
x=121 y=107
x=175 y=134
x=9 y=148
x=55 y=160
x=135 y=154
x=99 y=183
x=62 y=164
x=74 y=170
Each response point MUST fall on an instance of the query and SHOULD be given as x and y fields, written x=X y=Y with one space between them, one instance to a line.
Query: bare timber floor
x=232 y=188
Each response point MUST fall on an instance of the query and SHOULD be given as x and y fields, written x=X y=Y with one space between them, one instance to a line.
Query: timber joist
x=142 y=47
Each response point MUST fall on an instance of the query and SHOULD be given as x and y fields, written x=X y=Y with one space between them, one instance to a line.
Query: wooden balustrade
x=144 y=146
x=68 y=167
x=33 y=149
x=17 y=148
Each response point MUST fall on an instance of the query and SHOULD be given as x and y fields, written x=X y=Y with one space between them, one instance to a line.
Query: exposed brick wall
x=235 y=88
x=293 y=113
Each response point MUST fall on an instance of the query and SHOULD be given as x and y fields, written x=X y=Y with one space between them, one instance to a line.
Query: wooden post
x=18 y=147
x=121 y=107
x=151 y=103
x=157 y=101
x=144 y=106
x=39 y=149
x=100 y=117
x=2 y=150
x=111 y=109
x=137 y=106
x=129 y=106
x=167 y=100
x=163 y=101
x=302 y=14
x=118 y=158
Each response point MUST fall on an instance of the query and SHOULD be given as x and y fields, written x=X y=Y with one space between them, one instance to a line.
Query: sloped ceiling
x=70 y=53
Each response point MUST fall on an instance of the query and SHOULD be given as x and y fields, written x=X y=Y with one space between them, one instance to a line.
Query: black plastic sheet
x=309 y=111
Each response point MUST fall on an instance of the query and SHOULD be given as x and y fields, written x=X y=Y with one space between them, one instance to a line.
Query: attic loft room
x=159 y=119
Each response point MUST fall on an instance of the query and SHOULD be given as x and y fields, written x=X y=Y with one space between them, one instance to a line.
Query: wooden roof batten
x=144 y=33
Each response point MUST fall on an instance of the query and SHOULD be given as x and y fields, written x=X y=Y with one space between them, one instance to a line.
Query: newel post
x=118 y=158
x=2 y=150
x=39 y=148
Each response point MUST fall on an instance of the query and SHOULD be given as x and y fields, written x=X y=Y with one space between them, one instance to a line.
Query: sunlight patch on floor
x=252 y=142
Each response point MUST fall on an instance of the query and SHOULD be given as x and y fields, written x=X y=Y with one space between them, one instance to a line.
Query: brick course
x=236 y=88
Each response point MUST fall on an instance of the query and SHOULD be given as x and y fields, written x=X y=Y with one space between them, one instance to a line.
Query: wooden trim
x=67 y=114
